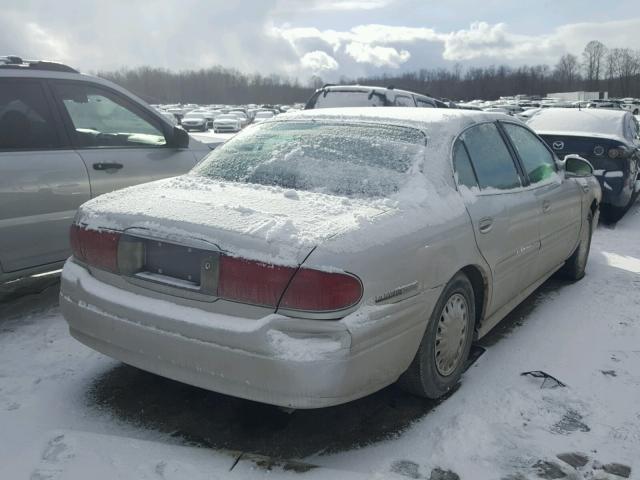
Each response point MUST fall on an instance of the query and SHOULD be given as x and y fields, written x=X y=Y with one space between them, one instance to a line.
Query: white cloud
x=319 y=61
x=390 y=47
x=351 y=4
x=483 y=40
x=377 y=56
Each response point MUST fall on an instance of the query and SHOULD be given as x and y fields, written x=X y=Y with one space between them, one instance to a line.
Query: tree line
x=599 y=68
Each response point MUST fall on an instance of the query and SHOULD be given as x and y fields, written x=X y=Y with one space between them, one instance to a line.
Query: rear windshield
x=359 y=160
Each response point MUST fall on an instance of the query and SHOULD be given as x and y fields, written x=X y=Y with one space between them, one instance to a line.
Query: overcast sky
x=299 y=38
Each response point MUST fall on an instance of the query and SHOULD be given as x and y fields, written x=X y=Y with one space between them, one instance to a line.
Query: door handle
x=485 y=225
x=585 y=188
x=107 y=166
x=546 y=206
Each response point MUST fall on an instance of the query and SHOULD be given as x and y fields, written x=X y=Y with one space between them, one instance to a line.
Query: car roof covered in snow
x=441 y=126
x=580 y=122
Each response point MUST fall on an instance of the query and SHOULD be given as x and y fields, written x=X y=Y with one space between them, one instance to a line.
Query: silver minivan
x=65 y=138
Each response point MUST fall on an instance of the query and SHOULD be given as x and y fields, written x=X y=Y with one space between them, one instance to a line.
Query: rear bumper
x=226 y=128
x=277 y=360
x=617 y=189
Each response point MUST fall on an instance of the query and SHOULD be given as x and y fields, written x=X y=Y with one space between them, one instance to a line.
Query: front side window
x=354 y=160
x=538 y=162
x=103 y=119
x=25 y=118
x=491 y=159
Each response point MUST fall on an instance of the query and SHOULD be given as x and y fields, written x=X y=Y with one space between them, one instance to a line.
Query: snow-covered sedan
x=226 y=123
x=263 y=115
x=316 y=258
x=609 y=139
x=195 y=121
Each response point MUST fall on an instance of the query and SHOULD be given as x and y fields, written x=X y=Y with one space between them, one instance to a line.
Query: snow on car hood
x=264 y=223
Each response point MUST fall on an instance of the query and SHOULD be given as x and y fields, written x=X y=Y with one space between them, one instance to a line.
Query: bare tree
x=592 y=59
x=619 y=68
x=567 y=70
x=627 y=68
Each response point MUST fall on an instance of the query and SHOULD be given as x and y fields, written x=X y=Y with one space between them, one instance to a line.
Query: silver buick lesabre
x=320 y=256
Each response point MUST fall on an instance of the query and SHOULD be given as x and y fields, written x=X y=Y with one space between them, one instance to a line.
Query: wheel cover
x=451 y=334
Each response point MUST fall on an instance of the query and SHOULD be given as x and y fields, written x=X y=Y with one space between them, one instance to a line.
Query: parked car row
x=521 y=105
x=219 y=118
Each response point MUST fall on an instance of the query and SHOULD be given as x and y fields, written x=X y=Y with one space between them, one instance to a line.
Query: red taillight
x=252 y=282
x=318 y=291
x=310 y=290
x=98 y=248
x=618 y=152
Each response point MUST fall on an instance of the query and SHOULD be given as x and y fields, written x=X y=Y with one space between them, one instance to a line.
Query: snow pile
x=254 y=221
x=289 y=347
x=498 y=424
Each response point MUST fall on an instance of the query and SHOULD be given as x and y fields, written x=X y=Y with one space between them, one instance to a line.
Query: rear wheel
x=446 y=343
x=576 y=266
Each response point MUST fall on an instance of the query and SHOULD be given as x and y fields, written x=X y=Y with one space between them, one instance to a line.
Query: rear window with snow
x=358 y=160
x=583 y=122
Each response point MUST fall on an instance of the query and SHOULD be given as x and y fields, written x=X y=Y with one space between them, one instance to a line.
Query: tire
x=576 y=266
x=435 y=370
x=611 y=214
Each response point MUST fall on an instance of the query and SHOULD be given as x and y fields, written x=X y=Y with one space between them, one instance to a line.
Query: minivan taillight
x=318 y=291
x=98 y=248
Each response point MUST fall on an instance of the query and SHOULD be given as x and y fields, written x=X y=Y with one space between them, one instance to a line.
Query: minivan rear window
x=348 y=98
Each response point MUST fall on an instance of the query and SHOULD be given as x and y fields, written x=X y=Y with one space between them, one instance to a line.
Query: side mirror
x=178 y=138
x=576 y=166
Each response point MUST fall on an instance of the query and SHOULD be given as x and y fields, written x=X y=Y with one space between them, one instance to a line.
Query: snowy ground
x=67 y=412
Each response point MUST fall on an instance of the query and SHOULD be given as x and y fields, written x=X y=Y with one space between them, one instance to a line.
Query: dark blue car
x=609 y=139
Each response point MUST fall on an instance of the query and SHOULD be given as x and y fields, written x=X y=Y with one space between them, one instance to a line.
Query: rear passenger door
x=121 y=143
x=559 y=199
x=504 y=215
x=42 y=179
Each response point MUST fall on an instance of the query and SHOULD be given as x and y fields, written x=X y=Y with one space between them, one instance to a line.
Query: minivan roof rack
x=13 y=61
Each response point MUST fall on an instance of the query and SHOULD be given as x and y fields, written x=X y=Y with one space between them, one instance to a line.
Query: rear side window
x=462 y=166
x=491 y=159
x=103 y=119
x=424 y=103
x=25 y=118
x=538 y=162
x=404 y=101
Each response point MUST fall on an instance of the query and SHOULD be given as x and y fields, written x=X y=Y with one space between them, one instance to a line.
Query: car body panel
x=65 y=177
x=39 y=195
